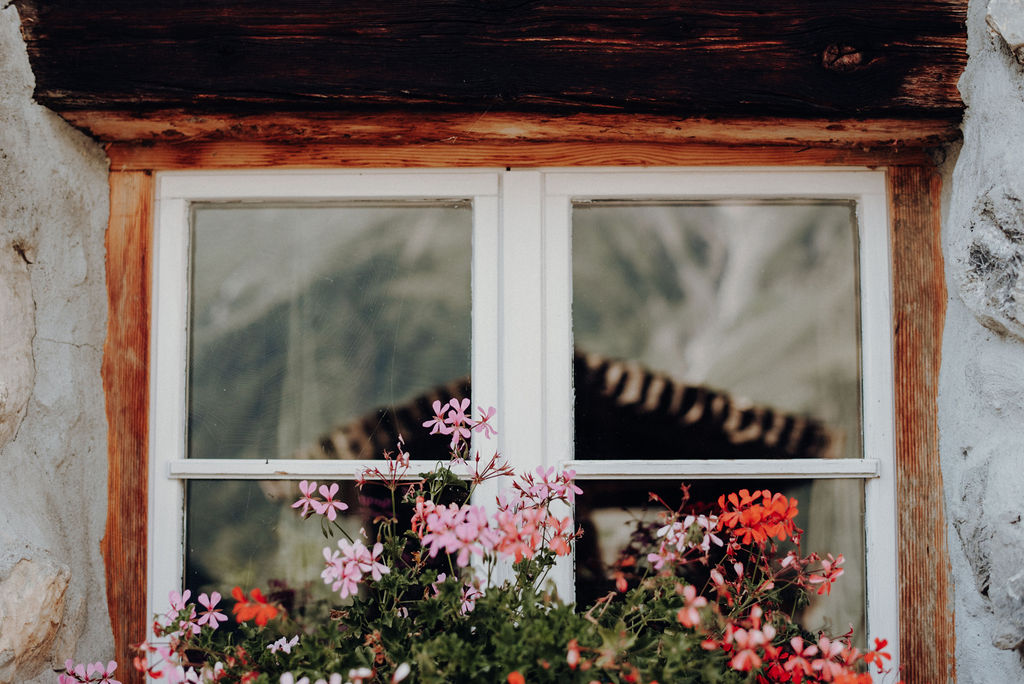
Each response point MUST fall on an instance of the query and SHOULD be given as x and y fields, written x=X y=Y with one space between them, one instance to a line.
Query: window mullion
x=881 y=546
x=486 y=367
x=486 y=318
x=558 y=409
x=521 y=321
x=166 y=513
x=507 y=329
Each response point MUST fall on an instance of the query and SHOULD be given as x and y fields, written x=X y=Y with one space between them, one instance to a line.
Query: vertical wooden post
x=927 y=641
x=126 y=384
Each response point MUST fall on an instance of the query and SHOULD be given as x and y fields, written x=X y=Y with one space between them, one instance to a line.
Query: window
x=522 y=237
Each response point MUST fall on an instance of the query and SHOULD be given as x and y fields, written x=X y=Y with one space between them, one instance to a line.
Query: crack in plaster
x=78 y=345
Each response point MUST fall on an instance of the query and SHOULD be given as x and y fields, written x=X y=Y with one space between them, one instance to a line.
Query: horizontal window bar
x=789 y=469
x=762 y=468
x=287 y=469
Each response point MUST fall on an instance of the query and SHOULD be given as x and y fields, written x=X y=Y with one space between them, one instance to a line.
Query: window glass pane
x=245 y=533
x=310 y=324
x=619 y=521
x=716 y=330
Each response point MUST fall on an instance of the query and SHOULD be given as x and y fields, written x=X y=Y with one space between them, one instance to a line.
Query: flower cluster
x=755 y=639
x=88 y=672
x=522 y=525
x=827 y=660
x=547 y=486
x=181 y=618
x=526 y=525
x=165 y=662
x=396 y=467
x=452 y=419
x=345 y=567
x=358 y=675
x=461 y=530
x=758 y=517
x=683 y=538
x=327 y=507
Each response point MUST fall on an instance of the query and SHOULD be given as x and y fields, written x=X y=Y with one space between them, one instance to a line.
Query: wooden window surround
x=513 y=140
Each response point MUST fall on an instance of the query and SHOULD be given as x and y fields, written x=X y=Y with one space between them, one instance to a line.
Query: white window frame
x=522 y=333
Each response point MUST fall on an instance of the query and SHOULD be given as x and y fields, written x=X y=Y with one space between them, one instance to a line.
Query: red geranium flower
x=256 y=608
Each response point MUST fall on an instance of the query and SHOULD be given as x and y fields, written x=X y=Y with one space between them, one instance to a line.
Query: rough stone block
x=1005 y=18
x=988 y=522
x=992 y=284
x=1007 y=581
x=32 y=599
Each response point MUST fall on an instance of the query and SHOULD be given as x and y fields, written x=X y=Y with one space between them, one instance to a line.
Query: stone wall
x=981 y=391
x=53 y=456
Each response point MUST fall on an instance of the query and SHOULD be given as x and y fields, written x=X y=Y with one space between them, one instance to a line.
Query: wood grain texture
x=233 y=155
x=712 y=57
x=426 y=127
x=126 y=385
x=927 y=638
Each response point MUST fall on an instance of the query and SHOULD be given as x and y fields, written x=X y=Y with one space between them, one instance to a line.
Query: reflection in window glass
x=618 y=520
x=245 y=533
x=309 y=323
x=716 y=330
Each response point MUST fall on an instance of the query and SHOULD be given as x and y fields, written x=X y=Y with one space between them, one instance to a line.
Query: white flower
x=359 y=674
x=287 y=678
x=283 y=645
x=335 y=678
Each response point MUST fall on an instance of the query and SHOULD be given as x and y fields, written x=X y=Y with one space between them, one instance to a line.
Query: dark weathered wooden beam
x=232 y=154
x=396 y=127
x=686 y=58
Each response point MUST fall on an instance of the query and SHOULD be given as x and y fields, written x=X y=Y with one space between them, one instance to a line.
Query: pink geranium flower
x=830 y=572
x=212 y=615
x=182 y=612
x=437 y=422
x=458 y=422
x=457 y=416
x=329 y=507
x=827 y=664
x=482 y=424
x=106 y=674
x=468 y=601
x=96 y=673
x=689 y=615
x=800 y=655
x=307 y=501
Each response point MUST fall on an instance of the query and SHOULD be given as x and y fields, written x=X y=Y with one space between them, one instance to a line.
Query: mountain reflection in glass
x=307 y=319
x=716 y=330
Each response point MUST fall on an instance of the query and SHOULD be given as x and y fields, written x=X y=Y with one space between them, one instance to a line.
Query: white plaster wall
x=53 y=463
x=981 y=388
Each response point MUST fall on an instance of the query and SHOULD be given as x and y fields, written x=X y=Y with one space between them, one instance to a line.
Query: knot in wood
x=842 y=58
